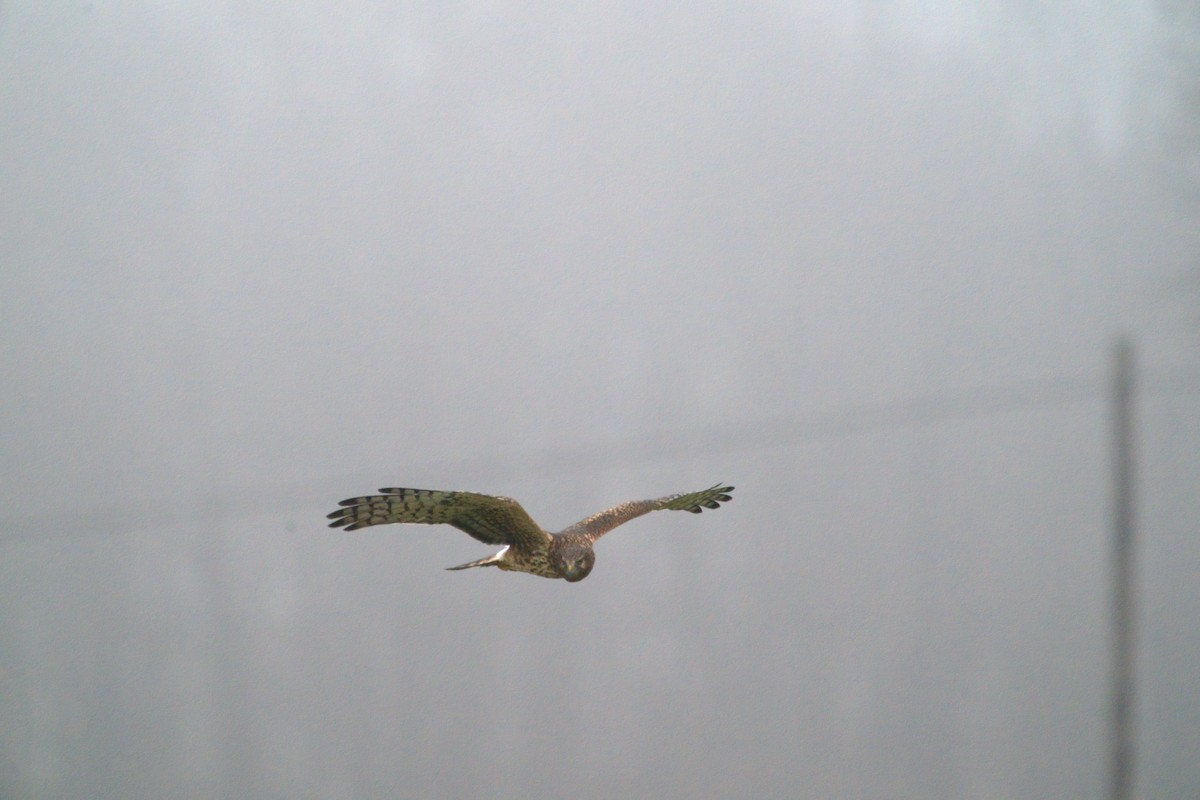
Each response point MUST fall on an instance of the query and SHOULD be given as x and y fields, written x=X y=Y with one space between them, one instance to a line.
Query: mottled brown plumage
x=501 y=520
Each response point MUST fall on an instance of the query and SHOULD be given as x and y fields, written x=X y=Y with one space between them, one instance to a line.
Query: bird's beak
x=573 y=571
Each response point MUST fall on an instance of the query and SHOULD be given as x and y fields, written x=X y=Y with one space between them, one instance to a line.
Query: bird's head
x=574 y=563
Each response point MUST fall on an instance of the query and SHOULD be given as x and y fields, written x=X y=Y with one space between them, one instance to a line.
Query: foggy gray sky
x=257 y=260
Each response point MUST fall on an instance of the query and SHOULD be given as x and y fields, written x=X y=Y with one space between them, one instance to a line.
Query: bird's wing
x=597 y=525
x=492 y=520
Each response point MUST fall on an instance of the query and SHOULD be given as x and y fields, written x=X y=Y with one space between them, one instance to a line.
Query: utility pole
x=1121 y=731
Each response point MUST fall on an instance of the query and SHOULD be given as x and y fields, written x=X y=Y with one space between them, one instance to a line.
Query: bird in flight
x=501 y=520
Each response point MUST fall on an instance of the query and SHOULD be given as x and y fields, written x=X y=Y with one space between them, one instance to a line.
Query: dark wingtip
x=714 y=501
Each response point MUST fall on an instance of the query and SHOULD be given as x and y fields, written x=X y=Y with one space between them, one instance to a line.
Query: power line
x=715 y=439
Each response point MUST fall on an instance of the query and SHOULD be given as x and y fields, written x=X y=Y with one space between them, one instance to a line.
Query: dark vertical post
x=1121 y=777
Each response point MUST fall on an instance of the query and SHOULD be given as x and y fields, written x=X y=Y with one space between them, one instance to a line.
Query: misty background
x=864 y=261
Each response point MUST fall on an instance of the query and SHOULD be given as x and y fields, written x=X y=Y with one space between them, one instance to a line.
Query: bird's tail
x=490 y=561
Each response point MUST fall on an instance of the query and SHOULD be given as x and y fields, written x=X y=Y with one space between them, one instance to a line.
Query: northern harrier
x=501 y=520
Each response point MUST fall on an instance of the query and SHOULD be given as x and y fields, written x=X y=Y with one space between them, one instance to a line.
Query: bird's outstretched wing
x=597 y=525
x=492 y=520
